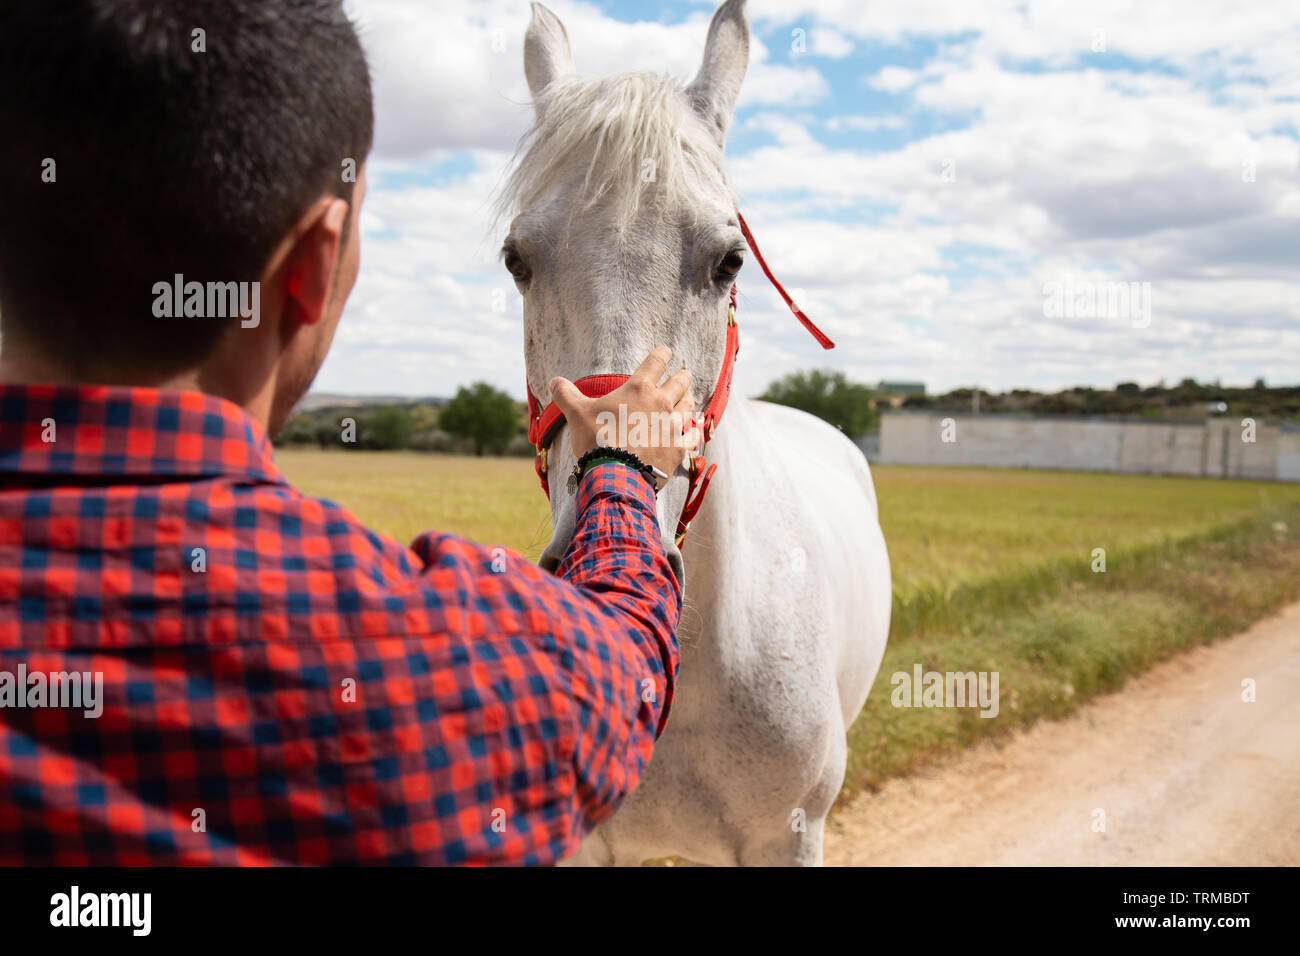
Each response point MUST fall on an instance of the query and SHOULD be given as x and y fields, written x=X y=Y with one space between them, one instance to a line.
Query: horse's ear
x=546 y=50
x=714 y=90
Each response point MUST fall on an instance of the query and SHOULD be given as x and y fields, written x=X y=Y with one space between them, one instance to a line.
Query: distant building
x=1217 y=448
x=893 y=394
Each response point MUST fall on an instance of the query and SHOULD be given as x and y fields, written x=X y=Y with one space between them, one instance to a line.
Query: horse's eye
x=516 y=266
x=730 y=265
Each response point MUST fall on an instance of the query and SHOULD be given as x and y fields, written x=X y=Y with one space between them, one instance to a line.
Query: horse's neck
x=714 y=541
x=733 y=447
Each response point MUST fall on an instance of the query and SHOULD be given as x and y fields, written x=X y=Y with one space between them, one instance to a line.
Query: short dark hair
x=167 y=160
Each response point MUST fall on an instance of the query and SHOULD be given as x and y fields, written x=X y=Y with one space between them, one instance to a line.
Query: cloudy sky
x=925 y=174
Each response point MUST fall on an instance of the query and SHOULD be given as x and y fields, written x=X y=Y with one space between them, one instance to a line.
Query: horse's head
x=625 y=234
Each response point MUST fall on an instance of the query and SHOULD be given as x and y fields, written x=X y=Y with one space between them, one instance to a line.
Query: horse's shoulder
x=821 y=460
x=799 y=429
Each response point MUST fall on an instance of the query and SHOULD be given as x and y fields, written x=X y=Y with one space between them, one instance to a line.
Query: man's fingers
x=677 y=387
x=566 y=395
x=654 y=366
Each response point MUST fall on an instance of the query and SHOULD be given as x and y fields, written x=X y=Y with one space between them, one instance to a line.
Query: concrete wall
x=870 y=445
x=1288 y=458
x=1214 y=448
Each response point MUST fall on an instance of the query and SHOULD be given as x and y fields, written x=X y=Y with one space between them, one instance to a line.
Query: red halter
x=543 y=423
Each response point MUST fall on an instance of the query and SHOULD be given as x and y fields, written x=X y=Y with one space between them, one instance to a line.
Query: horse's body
x=788 y=585
x=784 y=629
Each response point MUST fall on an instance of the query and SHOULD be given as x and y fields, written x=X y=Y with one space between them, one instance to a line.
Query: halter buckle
x=541 y=459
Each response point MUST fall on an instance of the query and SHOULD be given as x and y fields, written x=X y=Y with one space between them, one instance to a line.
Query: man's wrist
x=606 y=481
x=602 y=455
x=603 y=460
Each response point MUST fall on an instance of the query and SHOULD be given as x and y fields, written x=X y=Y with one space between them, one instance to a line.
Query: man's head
x=140 y=140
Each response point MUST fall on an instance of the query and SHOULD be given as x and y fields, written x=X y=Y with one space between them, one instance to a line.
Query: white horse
x=626 y=237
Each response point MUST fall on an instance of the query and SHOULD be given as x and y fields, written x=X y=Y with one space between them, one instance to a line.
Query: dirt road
x=1184 y=770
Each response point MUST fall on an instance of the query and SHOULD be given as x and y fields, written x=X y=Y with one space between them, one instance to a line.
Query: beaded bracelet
x=602 y=454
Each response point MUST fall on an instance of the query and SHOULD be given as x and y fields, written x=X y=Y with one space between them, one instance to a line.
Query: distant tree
x=1185 y=401
x=301 y=430
x=828 y=395
x=388 y=429
x=483 y=415
x=328 y=433
x=1053 y=405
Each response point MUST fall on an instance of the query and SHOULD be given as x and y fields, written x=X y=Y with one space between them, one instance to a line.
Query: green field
x=495 y=501
x=992 y=571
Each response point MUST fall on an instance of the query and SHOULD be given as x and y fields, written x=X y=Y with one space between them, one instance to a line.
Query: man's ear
x=546 y=50
x=714 y=90
x=312 y=259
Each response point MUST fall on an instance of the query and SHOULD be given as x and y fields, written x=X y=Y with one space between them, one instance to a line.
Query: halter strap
x=822 y=339
x=544 y=422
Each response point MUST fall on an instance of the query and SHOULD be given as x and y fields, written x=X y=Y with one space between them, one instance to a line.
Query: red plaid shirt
x=282 y=685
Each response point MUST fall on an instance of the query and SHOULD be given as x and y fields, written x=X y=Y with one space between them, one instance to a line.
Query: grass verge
x=1059 y=634
x=992 y=572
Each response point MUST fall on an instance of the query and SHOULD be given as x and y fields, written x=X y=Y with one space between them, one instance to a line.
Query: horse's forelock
x=638 y=133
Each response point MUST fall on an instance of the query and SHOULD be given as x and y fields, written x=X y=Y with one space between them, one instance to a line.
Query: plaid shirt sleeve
x=617 y=559
x=278 y=684
x=615 y=605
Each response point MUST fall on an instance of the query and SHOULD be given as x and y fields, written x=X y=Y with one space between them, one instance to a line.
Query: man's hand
x=668 y=428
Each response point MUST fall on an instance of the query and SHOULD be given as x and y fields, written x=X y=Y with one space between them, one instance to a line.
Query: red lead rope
x=544 y=422
x=822 y=339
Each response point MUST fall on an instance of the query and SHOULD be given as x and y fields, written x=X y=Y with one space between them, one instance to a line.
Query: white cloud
x=780 y=85
x=453 y=76
x=830 y=43
x=787 y=130
x=866 y=124
x=1258 y=38
x=893 y=79
x=1123 y=175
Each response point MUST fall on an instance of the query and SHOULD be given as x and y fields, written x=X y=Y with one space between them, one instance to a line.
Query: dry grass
x=955 y=525
x=992 y=571
x=943 y=525
x=495 y=501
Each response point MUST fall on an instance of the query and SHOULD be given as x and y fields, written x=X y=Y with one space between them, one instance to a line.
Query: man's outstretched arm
x=602 y=660
x=617 y=561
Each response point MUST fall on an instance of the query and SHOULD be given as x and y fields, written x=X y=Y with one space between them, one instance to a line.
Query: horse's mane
x=625 y=126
